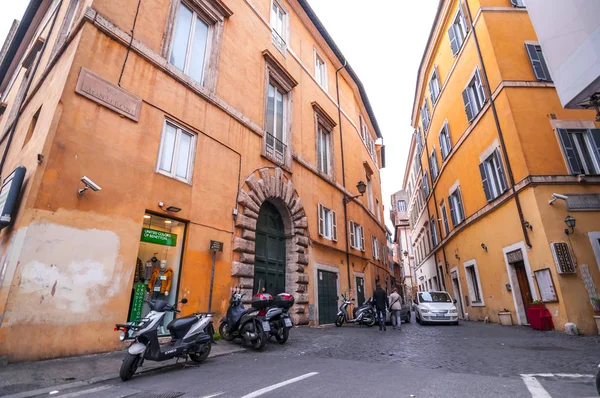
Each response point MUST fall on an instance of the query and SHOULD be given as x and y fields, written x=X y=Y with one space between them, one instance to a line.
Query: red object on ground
x=539 y=317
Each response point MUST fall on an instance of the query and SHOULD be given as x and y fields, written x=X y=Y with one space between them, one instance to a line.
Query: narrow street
x=471 y=360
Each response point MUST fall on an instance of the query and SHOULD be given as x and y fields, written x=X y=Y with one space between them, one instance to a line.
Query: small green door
x=328 y=298
x=360 y=291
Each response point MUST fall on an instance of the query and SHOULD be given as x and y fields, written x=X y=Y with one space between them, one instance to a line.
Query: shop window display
x=157 y=267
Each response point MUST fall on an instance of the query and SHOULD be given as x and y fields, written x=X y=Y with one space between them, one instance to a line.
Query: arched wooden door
x=269 y=263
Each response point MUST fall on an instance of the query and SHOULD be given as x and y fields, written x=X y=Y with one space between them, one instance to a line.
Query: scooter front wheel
x=339 y=321
x=370 y=322
x=261 y=337
x=129 y=366
x=223 y=332
x=203 y=354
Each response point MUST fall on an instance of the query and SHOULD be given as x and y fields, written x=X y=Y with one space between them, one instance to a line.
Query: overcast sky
x=383 y=43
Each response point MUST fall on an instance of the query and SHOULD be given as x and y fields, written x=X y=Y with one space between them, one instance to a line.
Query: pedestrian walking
x=381 y=303
x=395 y=309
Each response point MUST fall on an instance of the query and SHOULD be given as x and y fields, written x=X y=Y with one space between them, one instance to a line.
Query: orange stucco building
x=199 y=121
x=492 y=147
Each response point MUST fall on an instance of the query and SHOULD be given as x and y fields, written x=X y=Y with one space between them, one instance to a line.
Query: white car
x=435 y=307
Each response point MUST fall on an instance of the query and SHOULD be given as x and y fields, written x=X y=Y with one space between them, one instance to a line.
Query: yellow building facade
x=503 y=166
x=192 y=122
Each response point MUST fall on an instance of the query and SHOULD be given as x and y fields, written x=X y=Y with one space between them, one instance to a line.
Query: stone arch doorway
x=269 y=188
x=269 y=259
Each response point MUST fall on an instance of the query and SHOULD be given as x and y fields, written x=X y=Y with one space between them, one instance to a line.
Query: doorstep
x=29 y=379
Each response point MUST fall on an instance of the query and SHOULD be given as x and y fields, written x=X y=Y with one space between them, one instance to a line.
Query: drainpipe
x=498 y=128
x=337 y=89
x=35 y=68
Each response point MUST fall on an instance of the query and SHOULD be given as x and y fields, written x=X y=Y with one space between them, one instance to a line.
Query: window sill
x=284 y=165
x=477 y=304
x=186 y=182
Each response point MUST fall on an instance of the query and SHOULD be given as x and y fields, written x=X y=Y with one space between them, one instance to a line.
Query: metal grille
x=562 y=256
x=275 y=148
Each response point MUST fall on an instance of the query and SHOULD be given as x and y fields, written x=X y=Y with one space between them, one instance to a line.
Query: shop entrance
x=269 y=262
x=158 y=266
x=360 y=291
x=523 y=285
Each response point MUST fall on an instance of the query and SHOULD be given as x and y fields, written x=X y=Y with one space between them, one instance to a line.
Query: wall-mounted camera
x=89 y=184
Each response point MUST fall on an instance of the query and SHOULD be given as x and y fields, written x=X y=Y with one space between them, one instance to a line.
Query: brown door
x=523 y=285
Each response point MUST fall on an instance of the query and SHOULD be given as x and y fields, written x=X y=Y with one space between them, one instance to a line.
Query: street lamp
x=570 y=221
x=362 y=188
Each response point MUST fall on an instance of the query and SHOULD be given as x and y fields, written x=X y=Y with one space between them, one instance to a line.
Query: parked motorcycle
x=246 y=323
x=363 y=315
x=278 y=317
x=191 y=336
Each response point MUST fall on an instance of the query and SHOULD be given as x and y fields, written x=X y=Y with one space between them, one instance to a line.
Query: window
x=66 y=27
x=276 y=114
x=278 y=25
x=433 y=165
x=445 y=218
x=457 y=212
x=320 y=71
x=444 y=138
x=32 y=125
x=327 y=223
x=538 y=62
x=357 y=236
x=426 y=184
x=324 y=150
x=581 y=148
x=474 y=96
x=402 y=205
x=370 y=194
x=188 y=48
x=367 y=140
x=434 y=234
x=518 y=3
x=375 y=247
x=425 y=117
x=458 y=32
x=546 y=285
x=473 y=283
x=492 y=176
x=434 y=86
x=419 y=141
x=176 y=156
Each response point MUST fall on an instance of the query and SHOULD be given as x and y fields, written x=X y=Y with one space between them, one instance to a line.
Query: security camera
x=89 y=184
x=557 y=196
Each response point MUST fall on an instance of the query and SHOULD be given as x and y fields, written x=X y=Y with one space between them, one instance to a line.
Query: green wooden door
x=328 y=298
x=269 y=263
x=360 y=291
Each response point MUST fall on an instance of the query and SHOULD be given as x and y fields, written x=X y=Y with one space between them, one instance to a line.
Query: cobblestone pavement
x=471 y=347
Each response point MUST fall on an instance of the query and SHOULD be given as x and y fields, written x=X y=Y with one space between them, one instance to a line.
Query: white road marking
x=563 y=375
x=213 y=395
x=265 y=390
x=84 y=392
x=534 y=387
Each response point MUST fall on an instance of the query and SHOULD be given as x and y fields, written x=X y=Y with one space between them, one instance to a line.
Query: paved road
x=471 y=360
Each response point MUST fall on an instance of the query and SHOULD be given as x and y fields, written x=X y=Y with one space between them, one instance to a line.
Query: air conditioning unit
x=562 y=258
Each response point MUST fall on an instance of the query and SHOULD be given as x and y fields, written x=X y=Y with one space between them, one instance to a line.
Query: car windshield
x=427 y=297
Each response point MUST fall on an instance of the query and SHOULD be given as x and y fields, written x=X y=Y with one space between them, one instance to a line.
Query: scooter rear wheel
x=371 y=322
x=339 y=321
x=223 y=332
x=203 y=354
x=261 y=337
x=285 y=334
x=129 y=366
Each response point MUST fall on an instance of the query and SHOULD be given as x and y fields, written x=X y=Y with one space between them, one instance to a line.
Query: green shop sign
x=159 y=237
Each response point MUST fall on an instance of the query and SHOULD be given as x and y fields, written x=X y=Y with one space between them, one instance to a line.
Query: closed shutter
x=537 y=61
x=362 y=238
x=319 y=149
x=419 y=141
x=431 y=91
x=569 y=151
x=452 y=211
x=334 y=225
x=468 y=107
x=352 y=234
x=485 y=181
x=595 y=133
x=500 y=169
x=321 y=221
x=453 y=40
x=479 y=87
x=460 y=208
x=374 y=247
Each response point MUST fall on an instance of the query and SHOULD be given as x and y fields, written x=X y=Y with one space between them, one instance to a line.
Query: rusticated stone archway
x=270 y=184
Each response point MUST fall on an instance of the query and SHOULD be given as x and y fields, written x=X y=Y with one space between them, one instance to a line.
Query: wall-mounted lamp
x=89 y=184
x=484 y=247
x=570 y=221
x=362 y=188
x=172 y=209
x=528 y=225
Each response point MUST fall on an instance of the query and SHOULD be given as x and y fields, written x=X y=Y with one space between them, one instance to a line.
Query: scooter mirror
x=184 y=301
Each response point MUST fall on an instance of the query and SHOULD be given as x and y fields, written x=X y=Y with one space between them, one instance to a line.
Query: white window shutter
x=479 y=87
x=468 y=107
x=453 y=40
x=362 y=238
x=334 y=225
x=352 y=235
x=373 y=247
x=321 y=220
x=500 y=169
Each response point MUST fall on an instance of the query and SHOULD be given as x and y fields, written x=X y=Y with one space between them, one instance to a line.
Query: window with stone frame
x=279 y=25
x=324 y=125
x=176 y=153
x=320 y=70
x=327 y=223
x=278 y=129
x=581 y=149
x=357 y=236
x=474 y=283
x=457 y=211
x=445 y=144
x=493 y=177
x=445 y=218
x=457 y=33
x=375 y=247
x=193 y=39
x=435 y=86
x=67 y=25
x=434 y=234
x=474 y=96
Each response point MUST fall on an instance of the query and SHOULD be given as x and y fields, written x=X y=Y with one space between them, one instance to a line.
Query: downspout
x=498 y=128
x=337 y=90
x=35 y=68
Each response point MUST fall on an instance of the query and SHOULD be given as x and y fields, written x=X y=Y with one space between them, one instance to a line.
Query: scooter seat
x=179 y=327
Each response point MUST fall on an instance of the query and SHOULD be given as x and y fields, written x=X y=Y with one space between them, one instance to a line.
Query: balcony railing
x=275 y=148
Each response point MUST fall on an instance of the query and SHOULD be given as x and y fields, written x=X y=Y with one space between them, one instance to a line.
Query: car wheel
x=417 y=318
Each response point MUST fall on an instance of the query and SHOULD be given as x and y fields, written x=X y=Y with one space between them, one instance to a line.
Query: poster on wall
x=9 y=195
x=138 y=301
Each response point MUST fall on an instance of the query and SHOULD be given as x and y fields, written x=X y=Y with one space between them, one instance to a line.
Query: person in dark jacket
x=381 y=303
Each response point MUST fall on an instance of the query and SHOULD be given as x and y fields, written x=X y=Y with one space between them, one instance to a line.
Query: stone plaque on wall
x=515 y=256
x=105 y=93
x=590 y=202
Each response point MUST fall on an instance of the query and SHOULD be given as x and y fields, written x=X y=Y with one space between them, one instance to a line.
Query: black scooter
x=279 y=318
x=363 y=315
x=245 y=323
x=190 y=336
